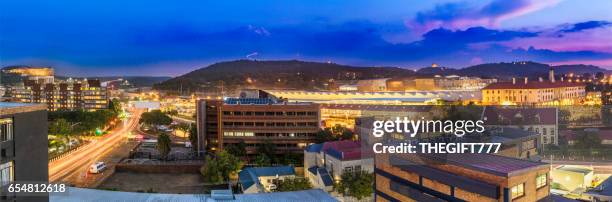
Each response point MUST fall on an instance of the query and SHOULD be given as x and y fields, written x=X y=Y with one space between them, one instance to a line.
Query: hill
x=288 y=74
x=512 y=69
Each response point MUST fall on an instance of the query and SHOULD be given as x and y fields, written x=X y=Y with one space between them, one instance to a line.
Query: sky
x=170 y=38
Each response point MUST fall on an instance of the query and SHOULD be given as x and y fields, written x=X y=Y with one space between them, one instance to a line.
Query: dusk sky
x=155 y=37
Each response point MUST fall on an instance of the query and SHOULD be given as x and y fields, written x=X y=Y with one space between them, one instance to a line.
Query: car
x=97 y=167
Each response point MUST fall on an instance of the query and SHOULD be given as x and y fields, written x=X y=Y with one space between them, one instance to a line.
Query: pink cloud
x=598 y=40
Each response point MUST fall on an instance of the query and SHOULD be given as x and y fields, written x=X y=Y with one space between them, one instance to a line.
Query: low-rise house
x=326 y=162
x=263 y=179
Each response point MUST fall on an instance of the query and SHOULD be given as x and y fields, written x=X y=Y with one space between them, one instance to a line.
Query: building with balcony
x=23 y=148
x=459 y=177
x=539 y=92
x=63 y=95
x=291 y=126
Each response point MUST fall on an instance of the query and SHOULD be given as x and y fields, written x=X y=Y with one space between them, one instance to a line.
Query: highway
x=87 y=154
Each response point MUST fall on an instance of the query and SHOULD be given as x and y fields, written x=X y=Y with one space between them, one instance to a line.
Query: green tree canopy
x=357 y=184
x=238 y=150
x=155 y=118
x=219 y=169
x=292 y=184
x=60 y=127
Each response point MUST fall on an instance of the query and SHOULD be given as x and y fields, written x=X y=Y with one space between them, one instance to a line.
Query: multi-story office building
x=459 y=177
x=291 y=126
x=23 y=148
x=66 y=95
x=539 y=92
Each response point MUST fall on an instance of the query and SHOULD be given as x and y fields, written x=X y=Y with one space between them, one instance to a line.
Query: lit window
x=6 y=129
x=6 y=173
x=518 y=191
x=541 y=180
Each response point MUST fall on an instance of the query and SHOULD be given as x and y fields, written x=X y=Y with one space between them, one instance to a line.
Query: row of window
x=251 y=134
x=270 y=124
x=278 y=113
x=519 y=190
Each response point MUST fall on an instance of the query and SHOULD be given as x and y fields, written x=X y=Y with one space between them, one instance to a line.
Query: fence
x=69 y=152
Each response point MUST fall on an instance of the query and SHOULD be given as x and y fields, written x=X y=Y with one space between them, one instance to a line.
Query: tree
x=115 y=105
x=193 y=136
x=325 y=135
x=155 y=118
x=357 y=184
x=262 y=160
x=238 y=150
x=219 y=169
x=60 y=127
x=163 y=145
x=292 y=184
x=587 y=140
x=268 y=149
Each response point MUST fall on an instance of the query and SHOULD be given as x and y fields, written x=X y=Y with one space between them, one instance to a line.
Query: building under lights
x=291 y=126
x=68 y=95
x=539 y=92
x=388 y=98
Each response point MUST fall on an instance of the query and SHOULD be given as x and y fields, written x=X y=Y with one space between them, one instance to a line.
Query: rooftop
x=488 y=163
x=343 y=149
x=575 y=169
x=602 y=190
x=83 y=194
x=604 y=134
x=250 y=176
x=531 y=85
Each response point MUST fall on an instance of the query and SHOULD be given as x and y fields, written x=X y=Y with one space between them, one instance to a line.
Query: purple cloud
x=461 y=15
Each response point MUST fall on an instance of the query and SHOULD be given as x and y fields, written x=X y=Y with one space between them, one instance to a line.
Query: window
x=518 y=191
x=541 y=180
x=6 y=129
x=6 y=173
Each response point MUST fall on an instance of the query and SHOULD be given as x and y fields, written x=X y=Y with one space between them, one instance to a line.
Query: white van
x=97 y=167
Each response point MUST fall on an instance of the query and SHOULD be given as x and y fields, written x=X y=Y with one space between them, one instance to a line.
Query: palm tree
x=163 y=145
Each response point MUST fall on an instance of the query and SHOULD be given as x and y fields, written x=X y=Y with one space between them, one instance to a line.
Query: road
x=82 y=158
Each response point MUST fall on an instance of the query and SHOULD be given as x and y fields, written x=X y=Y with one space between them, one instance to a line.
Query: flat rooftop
x=575 y=169
x=488 y=163
x=14 y=107
x=83 y=194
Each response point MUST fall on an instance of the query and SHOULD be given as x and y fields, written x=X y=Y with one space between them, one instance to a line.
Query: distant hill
x=512 y=69
x=288 y=74
x=293 y=74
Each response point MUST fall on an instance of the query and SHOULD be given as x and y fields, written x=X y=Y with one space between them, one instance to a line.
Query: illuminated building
x=539 y=92
x=18 y=74
x=347 y=114
x=291 y=126
x=573 y=178
x=372 y=85
x=379 y=98
x=66 y=95
x=459 y=177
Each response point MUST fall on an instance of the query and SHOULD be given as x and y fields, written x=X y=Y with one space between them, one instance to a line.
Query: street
x=79 y=161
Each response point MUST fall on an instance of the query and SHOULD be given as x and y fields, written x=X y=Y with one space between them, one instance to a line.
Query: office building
x=459 y=177
x=64 y=95
x=23 y=148
x=291 y=126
